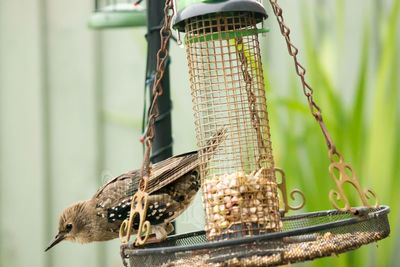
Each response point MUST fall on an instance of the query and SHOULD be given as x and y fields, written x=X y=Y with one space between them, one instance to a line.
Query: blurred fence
x=70 y=114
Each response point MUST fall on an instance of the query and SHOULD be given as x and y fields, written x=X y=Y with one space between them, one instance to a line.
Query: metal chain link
x=301 y=71
x=338 y=163
x=255 y=119
x=162 y=56
x=139 y=202
x=256 y=124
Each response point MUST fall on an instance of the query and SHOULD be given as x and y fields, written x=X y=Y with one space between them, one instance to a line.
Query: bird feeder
x=117 y=14
x=244 y=225
x=239 y=187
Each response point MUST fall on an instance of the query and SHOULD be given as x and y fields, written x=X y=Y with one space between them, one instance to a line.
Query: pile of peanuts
x=237 y=199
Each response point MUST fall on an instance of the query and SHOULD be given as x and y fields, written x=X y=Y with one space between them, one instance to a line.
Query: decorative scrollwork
x=139 y=206
x=282 y=188
x=343 y=178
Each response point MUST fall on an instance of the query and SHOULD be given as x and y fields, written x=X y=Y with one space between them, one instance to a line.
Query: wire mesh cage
x=239 y=188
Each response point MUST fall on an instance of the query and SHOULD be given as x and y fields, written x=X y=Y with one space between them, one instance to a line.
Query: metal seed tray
x=304 y=237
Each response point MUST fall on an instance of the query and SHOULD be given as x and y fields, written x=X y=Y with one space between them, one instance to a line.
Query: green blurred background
x=71 y=101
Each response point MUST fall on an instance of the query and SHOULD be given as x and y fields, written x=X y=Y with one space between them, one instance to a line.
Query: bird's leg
x=151 y=237
x=160 y=233
x=125 y=246
x=122 y=253
x=169 y=228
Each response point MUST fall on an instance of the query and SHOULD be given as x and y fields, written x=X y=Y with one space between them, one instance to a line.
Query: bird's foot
x=122 y=249
x=153 y=238
x=150 y=240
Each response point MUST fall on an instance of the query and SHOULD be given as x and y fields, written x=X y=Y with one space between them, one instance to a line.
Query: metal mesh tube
x=239 y=188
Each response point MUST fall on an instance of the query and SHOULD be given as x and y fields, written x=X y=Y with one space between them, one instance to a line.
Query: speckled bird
x=173 y=184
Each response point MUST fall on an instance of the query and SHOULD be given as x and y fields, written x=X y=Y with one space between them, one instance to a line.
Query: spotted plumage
x=164 y=205
x=172 y=186
x=100 y=218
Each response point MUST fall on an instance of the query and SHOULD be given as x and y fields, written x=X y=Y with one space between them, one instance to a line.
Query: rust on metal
x=284 y=198
x=343 y=177
x=140 y=199
x=317 y=113
x=227 y=85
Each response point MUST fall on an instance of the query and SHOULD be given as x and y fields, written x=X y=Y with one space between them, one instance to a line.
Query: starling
x=172 y=186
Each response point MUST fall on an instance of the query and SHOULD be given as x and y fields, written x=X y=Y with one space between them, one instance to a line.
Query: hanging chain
x=239 y=44
x=162 y=56
x=140 y=199
x=339 y=164
x=301 y=71
x=255 y=119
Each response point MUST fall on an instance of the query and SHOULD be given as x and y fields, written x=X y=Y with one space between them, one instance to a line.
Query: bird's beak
x=59 y=237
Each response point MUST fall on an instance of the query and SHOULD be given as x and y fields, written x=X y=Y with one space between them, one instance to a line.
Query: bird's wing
x=167 y=172
x=113 y=203
x=162 y=207
x=118 y=186
x=110 y=195
x=162 y=173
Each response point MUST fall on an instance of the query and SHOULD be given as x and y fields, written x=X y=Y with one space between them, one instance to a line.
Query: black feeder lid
x=211 y=7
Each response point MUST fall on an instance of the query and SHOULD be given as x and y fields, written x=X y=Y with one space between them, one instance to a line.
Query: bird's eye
x=69 y=227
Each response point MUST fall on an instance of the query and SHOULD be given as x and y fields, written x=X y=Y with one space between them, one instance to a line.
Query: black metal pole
x=162 y=144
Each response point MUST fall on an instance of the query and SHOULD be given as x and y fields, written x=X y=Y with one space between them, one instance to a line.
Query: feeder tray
x=114 y=14
x=304 y=237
